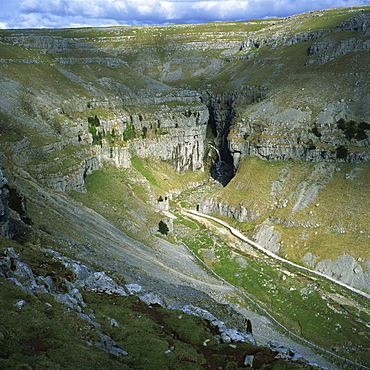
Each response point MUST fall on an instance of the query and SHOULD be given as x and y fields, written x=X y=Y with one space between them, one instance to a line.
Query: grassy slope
x=309 y=307
x=44 y=334
x=341 y=208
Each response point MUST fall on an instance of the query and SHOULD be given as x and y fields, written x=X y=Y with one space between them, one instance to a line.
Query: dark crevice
x=221 y=115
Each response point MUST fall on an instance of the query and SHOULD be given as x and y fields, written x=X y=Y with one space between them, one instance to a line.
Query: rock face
x=347 y=270
x=267 y=237
x=174 y=135
x=325 y=51
x=358 y=23
x=289 y=134
x=5 y=228
x=239 y=212
x=282 y=39
x=47 y=44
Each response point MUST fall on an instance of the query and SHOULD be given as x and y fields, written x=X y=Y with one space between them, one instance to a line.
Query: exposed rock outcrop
x=274 y=134
x=347 y=270
x=47 y=44
x=282 y=39
x=328 y=50
x=86 y=278
x=267 y=237
x=174 y=135
x=5 y=228
x=358 y=23
x=239 y=212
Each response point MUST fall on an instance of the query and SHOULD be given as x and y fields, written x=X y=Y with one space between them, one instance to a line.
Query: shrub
x=163 y=228
x=342 y=124
x=93 y=121
x=361 y=134
x=342 y=152
x=316 y=132
x=129 y=132
x=353 y=130
x=364 y=126
x=350 y=132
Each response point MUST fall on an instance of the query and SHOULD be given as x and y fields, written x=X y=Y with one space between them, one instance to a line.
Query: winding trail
x=277 y=258
x=287 y=337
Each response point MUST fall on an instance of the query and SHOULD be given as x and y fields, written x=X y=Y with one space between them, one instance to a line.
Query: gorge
x=107 y=132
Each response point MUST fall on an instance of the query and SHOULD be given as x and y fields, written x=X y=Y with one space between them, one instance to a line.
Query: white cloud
x=68 y=13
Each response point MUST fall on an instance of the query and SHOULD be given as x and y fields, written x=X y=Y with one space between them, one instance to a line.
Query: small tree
x=163 y=228
x=316 y=131
x=342 y=152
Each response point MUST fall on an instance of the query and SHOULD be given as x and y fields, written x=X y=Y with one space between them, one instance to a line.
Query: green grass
x=141 y=165
x=309 y=307
x=44 y=334
x=252 y=188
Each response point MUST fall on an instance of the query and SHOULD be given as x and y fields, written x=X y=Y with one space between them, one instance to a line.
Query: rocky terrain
x=105 y=133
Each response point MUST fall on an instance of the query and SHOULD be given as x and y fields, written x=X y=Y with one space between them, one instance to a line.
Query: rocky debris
x=310 y=260
x=90 y=319
x=20 y=273
x=248 y=361
x=20 y=304
x=88 y=279
x=152 y=298
x=5 y=227
x=227 y=335
x=85 y=278
x=112 y=322
x=108 y=345
x=73 y=300
x=288 y=354
x=346 y=270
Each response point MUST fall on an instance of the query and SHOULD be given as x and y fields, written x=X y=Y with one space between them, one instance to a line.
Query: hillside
x=108 y=135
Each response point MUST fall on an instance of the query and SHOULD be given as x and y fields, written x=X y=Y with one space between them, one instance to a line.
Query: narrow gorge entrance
x=221 y=114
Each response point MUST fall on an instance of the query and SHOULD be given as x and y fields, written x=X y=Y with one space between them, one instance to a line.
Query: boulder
x=112 y=322
x=20 y=304
x=100 y=282
x=88 y=319
x=108 y=345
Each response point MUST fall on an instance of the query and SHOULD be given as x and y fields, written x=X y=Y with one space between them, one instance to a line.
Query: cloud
x=69 y=13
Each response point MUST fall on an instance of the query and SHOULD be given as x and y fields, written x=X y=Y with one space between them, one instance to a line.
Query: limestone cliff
x=171 y=131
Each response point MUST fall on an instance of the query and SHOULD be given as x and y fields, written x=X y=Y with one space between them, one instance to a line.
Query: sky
x=97 y=13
